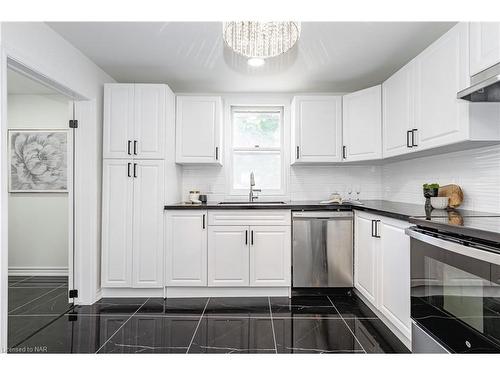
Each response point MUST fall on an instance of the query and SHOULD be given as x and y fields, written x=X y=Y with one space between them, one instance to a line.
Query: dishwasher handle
x=322 y=214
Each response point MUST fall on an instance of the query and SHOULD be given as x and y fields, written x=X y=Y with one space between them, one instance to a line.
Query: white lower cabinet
x=270 y=260
x=382 y=267
x=228 y=256
x=186 y=248
x=132 y=223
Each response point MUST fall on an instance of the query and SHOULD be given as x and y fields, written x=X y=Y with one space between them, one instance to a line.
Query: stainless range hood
x=485 y=86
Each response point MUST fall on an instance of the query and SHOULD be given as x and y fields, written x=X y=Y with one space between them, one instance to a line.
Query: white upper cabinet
x=484 y=45
x=440 y=72
x=149 y=121
x=118 y=129
x=317 y=129
x=134 y=121
x=199 y=130
x=186 y=248
x=362 y=124
x=398 y=115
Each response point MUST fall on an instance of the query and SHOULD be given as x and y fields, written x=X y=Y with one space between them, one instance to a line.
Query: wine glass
x=357 y=190
x=349 y=193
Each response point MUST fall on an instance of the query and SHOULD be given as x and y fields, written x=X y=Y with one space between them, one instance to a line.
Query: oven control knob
x=468 y=344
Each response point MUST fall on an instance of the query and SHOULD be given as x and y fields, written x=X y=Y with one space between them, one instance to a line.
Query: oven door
x=455 y=291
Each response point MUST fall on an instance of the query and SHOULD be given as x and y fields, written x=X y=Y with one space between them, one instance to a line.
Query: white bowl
x=439 y=203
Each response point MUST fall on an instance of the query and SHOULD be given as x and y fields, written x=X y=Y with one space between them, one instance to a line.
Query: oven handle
x=468 y=251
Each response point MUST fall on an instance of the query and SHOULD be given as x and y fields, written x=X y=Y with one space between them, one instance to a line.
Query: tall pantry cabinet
x=138 y=123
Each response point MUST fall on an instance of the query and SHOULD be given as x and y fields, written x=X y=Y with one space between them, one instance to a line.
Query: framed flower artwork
x=38 y=161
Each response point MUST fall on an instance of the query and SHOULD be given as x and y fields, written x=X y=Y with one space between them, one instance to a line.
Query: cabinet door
x=150 y=118
x=117 y=203
x=318 y=129
x=362 y=124
x=394 y=274
x=484 y=45
x=148 y=223
x=398 y=111
x=198 y=129
x=441 y=71
x=186 y=248
x=365 y=257
x=228 y=258
x=270 y=254
x=118 y=126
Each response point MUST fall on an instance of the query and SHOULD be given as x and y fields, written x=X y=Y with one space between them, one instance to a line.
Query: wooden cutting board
x=454 y=192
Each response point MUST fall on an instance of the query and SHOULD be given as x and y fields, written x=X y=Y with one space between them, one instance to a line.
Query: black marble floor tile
x=153 y=334
x=21 y=327
x=85 y=334
x=113 y=306
x=173 y=306
x=54 y=302
x=314 y=335
x=43 y=282
x=253 y=306
x=15 y=280
x=375 y=337
x=234 y=334
x=19 y=297
x=350 y=307
x=305 y=306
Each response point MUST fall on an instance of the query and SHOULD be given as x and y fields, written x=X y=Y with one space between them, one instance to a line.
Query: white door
x=117 y=219
x=150 y=118
x=398 y=111
x=318 y=129
x=362 y=124
x=442 y=71
x=365 y=257
x=198 y=129
x=394 y=274
x=228 y=257
x=148 y=223
x=118 y=127
x=484 y=45
x=270 y=255
x=186 y=248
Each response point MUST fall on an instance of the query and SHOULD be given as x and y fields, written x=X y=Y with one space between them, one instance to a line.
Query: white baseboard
x=188 y=292
x=38 y=271
x=131 y=292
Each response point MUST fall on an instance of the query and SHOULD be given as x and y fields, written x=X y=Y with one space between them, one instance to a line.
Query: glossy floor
x=312 y=324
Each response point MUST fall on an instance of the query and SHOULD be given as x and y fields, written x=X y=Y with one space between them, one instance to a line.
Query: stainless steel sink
x=247 y=203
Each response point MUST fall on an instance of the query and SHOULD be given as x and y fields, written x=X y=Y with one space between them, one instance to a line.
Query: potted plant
x=430 y=190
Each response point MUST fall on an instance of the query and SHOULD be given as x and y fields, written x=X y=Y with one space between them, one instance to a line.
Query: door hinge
x=73 y=293
x=73 y=124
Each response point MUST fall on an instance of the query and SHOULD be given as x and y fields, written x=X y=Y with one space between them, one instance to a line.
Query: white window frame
x=268 y=104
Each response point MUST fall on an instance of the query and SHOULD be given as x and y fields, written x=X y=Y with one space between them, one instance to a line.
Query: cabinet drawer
x=249 y=217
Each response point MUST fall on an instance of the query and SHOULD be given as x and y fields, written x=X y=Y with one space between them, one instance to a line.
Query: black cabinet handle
x=246 y=237
x=373 y=230
x=129 y=145
x=135 y=147
x=413 y=137
x=135 y=170
x=298 y=152
x=128 y=169
x=251 y=237
x=344 y=152
x=408 y=143
x=216 y=153
x=203 y=224
x=377 y=235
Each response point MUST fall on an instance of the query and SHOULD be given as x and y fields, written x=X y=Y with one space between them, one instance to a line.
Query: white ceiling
x=192 y=57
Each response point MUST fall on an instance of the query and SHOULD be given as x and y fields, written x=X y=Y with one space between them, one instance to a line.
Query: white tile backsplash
x=477 y=171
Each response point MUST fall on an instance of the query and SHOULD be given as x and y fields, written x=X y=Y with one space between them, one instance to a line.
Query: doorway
x=40 y=205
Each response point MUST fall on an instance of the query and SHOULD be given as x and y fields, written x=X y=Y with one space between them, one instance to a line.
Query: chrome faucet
x=251 y=197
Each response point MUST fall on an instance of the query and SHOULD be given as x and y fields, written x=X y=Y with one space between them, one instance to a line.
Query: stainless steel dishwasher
x=322 y=249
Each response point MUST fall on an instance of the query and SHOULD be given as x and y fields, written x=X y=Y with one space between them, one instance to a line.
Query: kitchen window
x=257 y=146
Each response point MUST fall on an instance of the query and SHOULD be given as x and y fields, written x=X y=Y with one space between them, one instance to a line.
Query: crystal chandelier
x=260 y=40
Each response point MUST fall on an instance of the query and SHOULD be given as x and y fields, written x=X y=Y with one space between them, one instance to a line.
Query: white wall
x=44 y=216
x=42 y=49
x=476 y=171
